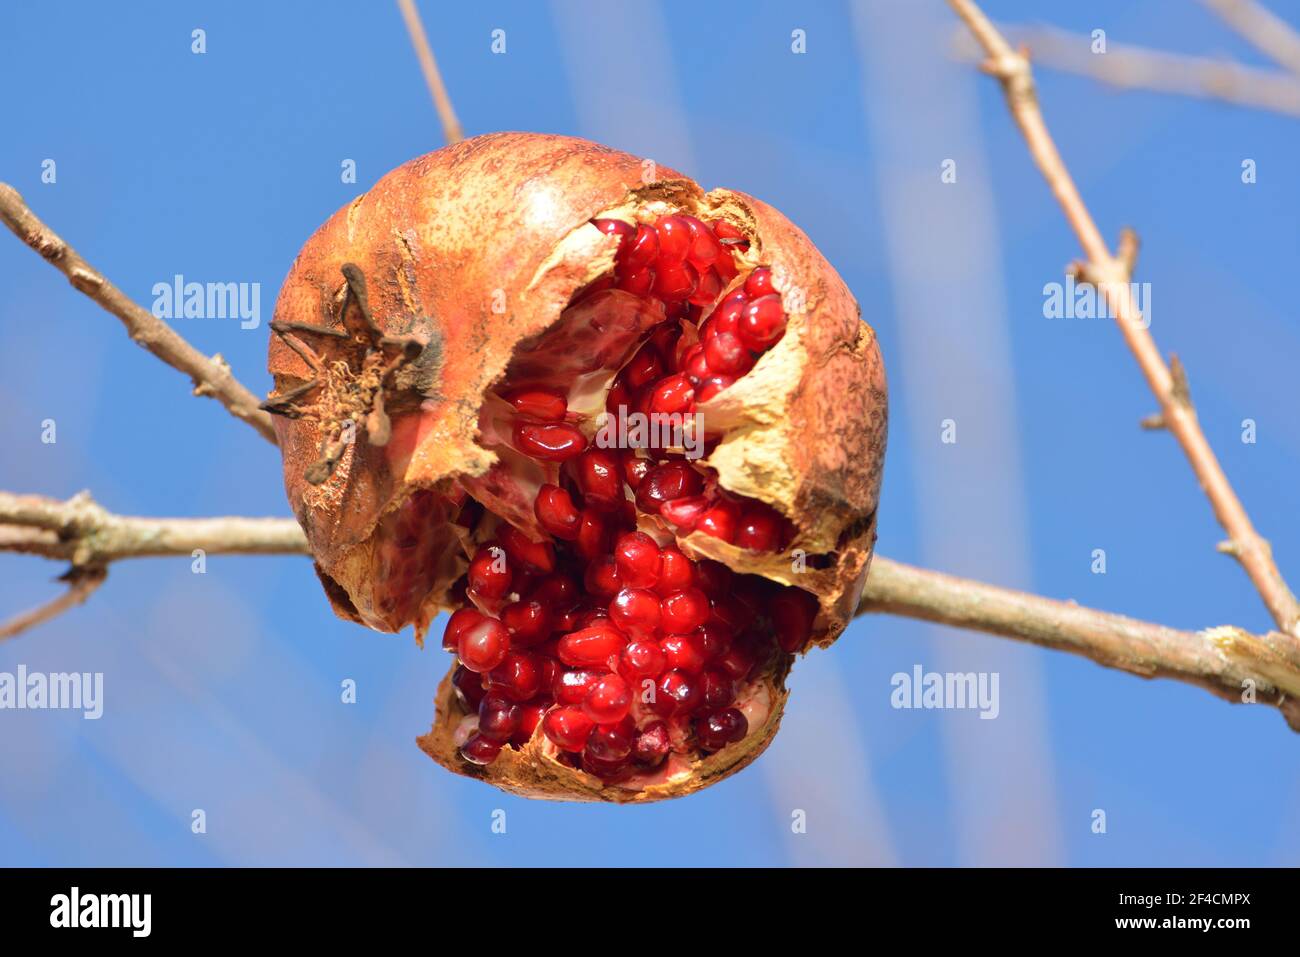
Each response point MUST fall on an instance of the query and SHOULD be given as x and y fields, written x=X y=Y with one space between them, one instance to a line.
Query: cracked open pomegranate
x=627 y=432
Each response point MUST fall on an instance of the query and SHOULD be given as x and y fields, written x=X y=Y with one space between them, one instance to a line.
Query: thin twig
x=82 y=583
x=1262 y=28
x=1111 y=275
x=442 y=102
x=84 y=533
x=1139 y=68
x=211 y=376
x=1226 y=661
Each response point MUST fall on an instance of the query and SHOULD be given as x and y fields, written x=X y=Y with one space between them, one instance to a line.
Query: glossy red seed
x=635 y=468
x=551 y=672
x=665 y=337
x=718 y=689
x=704 y=248
x=567 y=728
x=498 y=717
x=685 y=512
x=549 y=441
x=556 y=512
x=614 y=227
x=609 y=772
x=675 y=282
x=608 y=700
x=725 y=265
x=726 y=232
x=548 y=405
x=619 y=396
x=720 y=521
x=489 y=573
x=518 y=677
x=591 y=647
x=459 y=620
x=715 y=731
x=676 y=571
x=652 y=744
x=715 y=577
x=483 y=646
x=642 y=251
x=643 y=368
x=530 y=716
x=684 y=611
x=695 y=365
x=707 y=288
x=528 y=622
x=602 y=577
x=683 y=653
x=571 y=687
x=593 y=534
x=637 y=555
x=725 y=353
x=676 y=693
x=612 y=741
x=468 y=686
x=479 y=749
x=759 y=531
x=643 y=659
x=600 y=478
x=636 y=612
x=672 y=480
x=759 y=283
x=736 y=662
x=792 y=611
x=522 y=550
x=712 y=386
x=726 y=316
x=638 y=282
x=762 y=323
x=557 y=592
x=715 y=638
x=674 y=239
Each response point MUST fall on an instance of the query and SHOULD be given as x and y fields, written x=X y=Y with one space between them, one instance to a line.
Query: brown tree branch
x=1139 y=68
x=1263 y=29
x=211 y=376
x=82 y=583
x=1111 y=274
x=1227 y=661
x=429 y=66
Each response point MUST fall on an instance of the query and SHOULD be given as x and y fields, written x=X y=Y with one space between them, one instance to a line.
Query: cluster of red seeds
x=621 y=648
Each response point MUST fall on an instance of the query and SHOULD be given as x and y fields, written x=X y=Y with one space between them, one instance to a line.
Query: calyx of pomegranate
x=629 y=434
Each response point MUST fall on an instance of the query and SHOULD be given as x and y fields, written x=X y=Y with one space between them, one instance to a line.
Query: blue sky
x=222 y=690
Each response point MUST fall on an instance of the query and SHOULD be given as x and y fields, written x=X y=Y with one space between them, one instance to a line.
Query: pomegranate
x=628 y=432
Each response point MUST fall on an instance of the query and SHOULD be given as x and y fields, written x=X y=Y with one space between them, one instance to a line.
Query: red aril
x=607 y=700
x=556 y=512
x=591 y=647
x=762 y=323
x=483 y=646
x=721 y=728
x=636 y=612
x=549 y=441
x=567 y=728
x=548 y=405
x=674 y=239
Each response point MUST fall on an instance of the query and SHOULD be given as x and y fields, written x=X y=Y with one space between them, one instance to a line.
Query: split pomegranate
x=630 y=434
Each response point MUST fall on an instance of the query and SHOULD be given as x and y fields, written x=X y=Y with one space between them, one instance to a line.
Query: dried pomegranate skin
x=476 y=250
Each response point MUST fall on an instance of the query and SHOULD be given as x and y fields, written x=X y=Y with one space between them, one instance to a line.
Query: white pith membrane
x=430 y=539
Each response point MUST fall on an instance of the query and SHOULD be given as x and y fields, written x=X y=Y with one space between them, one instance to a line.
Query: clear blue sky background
x=223 y=690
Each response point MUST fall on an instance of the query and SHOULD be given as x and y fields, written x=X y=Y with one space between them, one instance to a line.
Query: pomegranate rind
x=476 y=249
